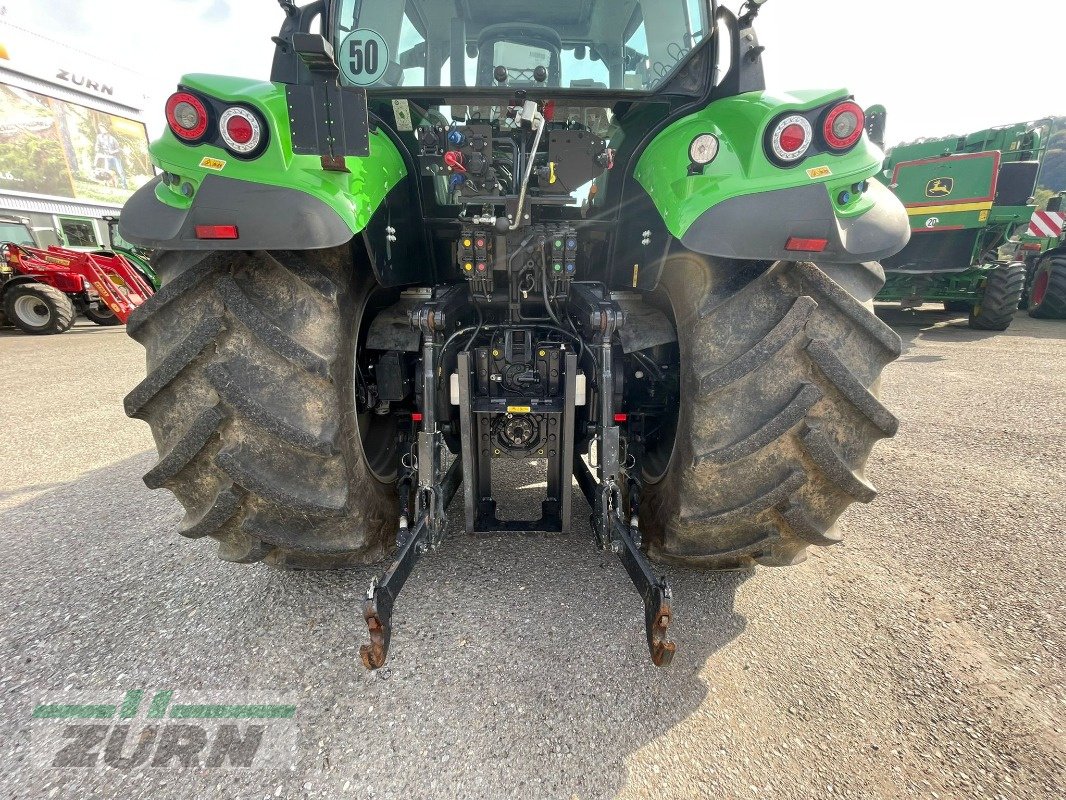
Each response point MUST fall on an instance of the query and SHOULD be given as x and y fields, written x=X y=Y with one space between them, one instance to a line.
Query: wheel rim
x=377 y=433
x=1040 y=288
x=33 y=311
x=662 y=439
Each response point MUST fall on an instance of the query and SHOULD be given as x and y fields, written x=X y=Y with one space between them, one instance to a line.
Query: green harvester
x=965 y=196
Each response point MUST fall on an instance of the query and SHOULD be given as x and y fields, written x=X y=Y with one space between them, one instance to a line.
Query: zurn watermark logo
x=165 y=729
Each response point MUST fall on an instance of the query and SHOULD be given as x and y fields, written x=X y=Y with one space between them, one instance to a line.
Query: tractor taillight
x=187 y=116
x=241 y=130
x=843 y=125
x=791 y=138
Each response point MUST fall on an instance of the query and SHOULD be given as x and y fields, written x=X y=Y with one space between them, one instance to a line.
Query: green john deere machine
x=964 y=195
x=444 y=235
x=139 y=257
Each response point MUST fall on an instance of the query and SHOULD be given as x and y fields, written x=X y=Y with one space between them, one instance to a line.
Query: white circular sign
x=363 y=57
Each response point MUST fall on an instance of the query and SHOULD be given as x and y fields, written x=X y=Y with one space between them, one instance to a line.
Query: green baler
x=964 y=196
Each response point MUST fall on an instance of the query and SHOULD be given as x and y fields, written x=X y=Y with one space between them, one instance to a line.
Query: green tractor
x=138 y=257
x=1043 y=248
x=964 y=195
x=443 y=235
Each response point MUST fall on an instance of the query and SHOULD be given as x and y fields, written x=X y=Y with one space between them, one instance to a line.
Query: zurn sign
x=24 y=52
x=89 y=84
x=139 y=730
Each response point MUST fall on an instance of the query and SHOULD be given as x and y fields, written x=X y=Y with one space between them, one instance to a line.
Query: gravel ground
x=923 y=658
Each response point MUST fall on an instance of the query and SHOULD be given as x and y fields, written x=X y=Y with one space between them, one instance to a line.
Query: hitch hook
x=377 y=610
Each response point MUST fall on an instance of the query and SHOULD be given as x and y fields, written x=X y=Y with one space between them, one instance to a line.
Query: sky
x=940 y=66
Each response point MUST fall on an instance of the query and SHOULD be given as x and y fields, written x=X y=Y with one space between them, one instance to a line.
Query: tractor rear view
x=964 y=196
x=445 y=235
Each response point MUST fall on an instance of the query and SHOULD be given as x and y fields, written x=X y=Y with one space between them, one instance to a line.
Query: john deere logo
x=939 y=187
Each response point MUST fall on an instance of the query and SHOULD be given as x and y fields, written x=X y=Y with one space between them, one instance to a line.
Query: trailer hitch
x=601 y=484
x=653 y=590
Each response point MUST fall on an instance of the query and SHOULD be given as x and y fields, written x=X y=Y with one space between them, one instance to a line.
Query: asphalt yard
x=924 y=657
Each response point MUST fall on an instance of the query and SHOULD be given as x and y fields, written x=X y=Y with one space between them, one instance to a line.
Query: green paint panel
x=958 y=190
x=742 y=166
x=354 y=195
x=938 y=219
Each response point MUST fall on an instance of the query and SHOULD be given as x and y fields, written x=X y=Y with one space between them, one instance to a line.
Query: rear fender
x=19 y=280
x=744 y=206
x=277 y=200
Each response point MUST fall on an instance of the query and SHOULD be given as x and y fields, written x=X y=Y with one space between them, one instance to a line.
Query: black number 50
x=364 y=56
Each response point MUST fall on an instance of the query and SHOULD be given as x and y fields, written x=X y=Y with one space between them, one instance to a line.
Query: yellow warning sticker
x=519 y=409
x=983 y=216
x=819 y=172
x=217 y=164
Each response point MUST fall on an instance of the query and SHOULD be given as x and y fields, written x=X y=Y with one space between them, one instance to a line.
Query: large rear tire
x=251 y=398
x=1047 y=298
x=38 y=309
x=778 y=411
x=1003 y=291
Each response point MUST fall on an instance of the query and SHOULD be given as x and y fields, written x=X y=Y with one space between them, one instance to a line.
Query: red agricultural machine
x=43 y=291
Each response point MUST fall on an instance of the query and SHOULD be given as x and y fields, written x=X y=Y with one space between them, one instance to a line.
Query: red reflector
x=807 y=245
x=621 y=418
x=792 y=138
x=216 y=232
x=416 y=417
x=240 y=130
x=1031 y=247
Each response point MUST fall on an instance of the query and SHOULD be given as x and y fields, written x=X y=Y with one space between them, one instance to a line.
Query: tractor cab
x=17 y=231
x=599 y=45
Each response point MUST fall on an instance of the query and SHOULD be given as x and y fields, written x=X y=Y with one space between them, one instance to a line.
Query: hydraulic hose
x=529 y=174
